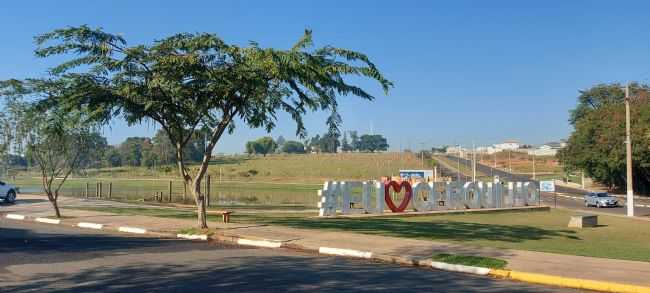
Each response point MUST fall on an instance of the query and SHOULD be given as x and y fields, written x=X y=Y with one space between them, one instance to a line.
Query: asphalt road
x=48 y=258
x=567 y=197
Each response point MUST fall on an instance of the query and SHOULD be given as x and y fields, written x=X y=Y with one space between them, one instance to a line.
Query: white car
x=8 y=192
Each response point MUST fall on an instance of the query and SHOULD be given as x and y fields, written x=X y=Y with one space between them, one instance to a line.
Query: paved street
x=44 y=258
x=568 y=197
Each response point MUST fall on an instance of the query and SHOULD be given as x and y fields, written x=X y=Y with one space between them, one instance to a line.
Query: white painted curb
x=345 y=252
x=192 y=236
x=90 y=225
x=132 y=230
x=260 y=243
x=48 y=221
x=15 y=217
x=460 y=268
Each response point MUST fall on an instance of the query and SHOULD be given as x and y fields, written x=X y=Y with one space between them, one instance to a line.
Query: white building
x=548 y=149
x=486 y=150
x=507 y=145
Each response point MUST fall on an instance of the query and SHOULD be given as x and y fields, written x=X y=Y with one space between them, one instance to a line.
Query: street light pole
x=534 y=152
x=628 y=150
x=459 y=153
x=473 y=162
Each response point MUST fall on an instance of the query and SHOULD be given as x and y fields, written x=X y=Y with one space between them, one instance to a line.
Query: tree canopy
x=597 y=144
x=191 y=81
x=264 y=145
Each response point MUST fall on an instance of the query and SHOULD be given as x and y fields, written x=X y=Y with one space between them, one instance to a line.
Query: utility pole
x=534 y=153
x=628 y=150
x=509 y=162
x=473 y=162
x=422 y=155
x=458 y=163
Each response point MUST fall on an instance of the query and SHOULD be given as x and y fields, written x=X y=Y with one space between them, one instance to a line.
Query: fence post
x=87 y=188
x=184 y=191
x=96 y=189
x=110 y=189
x=170 y=191
x=207 y=190
x=101 y=187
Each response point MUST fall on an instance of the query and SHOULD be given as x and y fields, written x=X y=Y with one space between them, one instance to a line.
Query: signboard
x=337 y=196
x=417 y=175
x=547 y=186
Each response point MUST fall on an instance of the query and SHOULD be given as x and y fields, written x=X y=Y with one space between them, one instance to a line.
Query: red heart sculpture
x=397 y=187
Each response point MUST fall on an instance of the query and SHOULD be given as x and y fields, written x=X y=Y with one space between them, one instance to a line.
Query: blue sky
x=464 y=71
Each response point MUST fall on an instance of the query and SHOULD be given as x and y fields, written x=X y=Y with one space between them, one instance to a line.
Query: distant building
x=548 y=149
x=456 y=150
x=507 y=145
x=486 y=150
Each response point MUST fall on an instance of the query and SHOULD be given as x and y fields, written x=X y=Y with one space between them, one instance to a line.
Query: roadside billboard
x=416 y=175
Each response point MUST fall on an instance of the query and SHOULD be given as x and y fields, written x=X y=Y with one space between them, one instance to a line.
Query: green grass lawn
x=616 y=237
x=470 y=260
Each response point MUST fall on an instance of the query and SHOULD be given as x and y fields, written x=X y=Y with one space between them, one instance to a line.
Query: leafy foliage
x=372 y=143
x=293 y=147
x=187 y=82
x=264 y=145
x=597 y=145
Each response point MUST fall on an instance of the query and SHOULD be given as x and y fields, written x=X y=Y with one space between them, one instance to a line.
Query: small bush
x=253 y=172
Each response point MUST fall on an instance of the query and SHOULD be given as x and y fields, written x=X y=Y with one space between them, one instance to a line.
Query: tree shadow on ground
x=24 y=246
x=262 y=274
x=447 y=230
x=22 y=201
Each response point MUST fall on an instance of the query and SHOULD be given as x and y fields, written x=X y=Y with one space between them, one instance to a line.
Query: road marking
x=192 y=236
x=132 y=230
x=345 y=252
x=90 y=225
x=460 y=268
x=15 y=217
x=260 y=243
x=48 y=221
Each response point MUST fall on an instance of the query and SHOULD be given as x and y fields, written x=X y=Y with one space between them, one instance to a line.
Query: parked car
x=8 y=192
x=600 y=199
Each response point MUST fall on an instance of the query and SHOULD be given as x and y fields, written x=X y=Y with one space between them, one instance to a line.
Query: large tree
x=372 y=143
x=196 y=81
x=57 y=140
x=597 y=144
x=293 y=147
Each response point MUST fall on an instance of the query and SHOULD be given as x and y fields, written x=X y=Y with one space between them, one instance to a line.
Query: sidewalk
x=579 y=267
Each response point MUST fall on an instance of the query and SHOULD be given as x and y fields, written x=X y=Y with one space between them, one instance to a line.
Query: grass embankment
x=270 y=180
x=522 y=162
x=470 y=260
x=284 y=168
x=616 y=237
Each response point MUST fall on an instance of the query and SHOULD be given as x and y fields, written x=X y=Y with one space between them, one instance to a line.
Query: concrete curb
x=132 y=230
x=14 y=216
x=90 y=225
x=460 y=268
x=345 y=252
x=500 y=274
x=260 y=243
x=48 y=221
x=568 y=282
x=192 y=236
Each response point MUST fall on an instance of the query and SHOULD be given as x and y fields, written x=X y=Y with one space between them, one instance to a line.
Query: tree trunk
x=55 y=205
x=200 y=205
